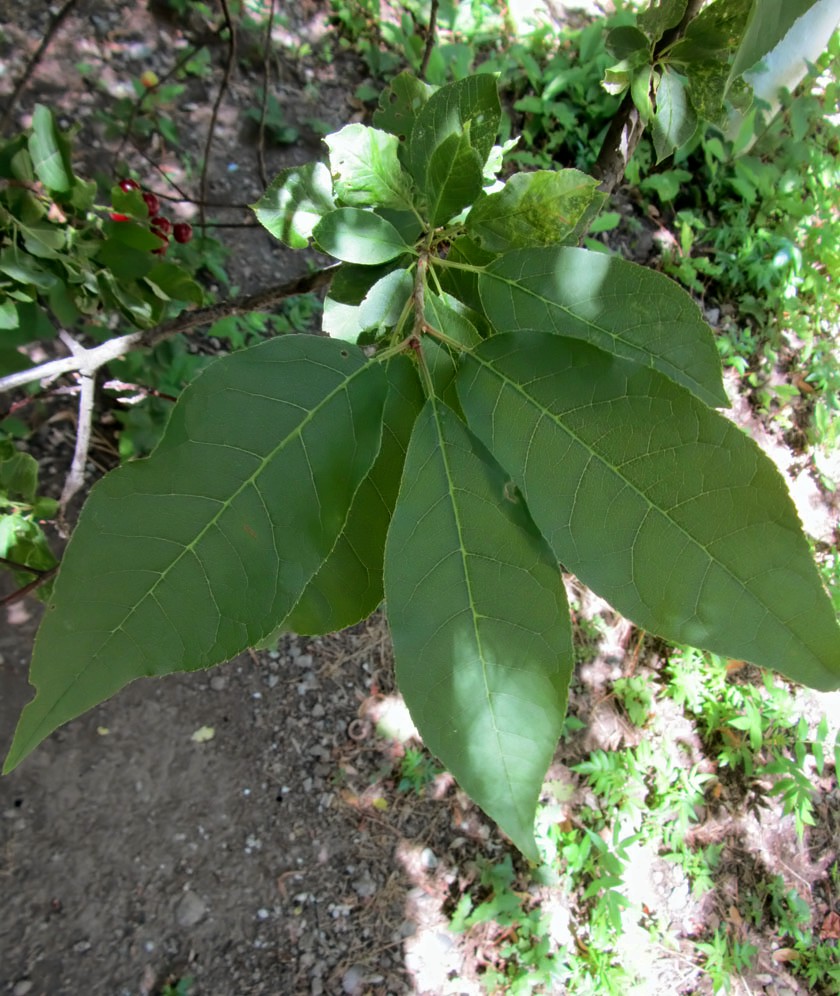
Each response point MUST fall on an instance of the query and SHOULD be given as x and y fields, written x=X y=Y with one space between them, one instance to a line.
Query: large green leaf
x=49 y=158
x=348 y=587
x=542 y=208
x=294 y=203
x=400 y=103
x=365 y=168
x=471 y=104
x=658 y=503
x=182 y=560
x=479 y=622
x=358 y=236
x=768 y=24
x=616 y=305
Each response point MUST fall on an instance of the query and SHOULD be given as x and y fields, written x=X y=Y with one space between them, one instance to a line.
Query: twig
x=264 y=108
x=15 y=566
x=21 y=593
x=55 y=24
x=76 y=476
x=88 y=361
x=430 y=39
x=215 y=113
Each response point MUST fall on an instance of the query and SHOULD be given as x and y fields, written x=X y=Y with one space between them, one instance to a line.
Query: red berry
x=119 y=217
x=182 y=232
x=128 y=185
x=161 y=226
x=152 y=203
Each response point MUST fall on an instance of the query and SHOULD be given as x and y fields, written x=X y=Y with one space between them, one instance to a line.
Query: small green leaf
x=384 y=302
x=627 y=42
x=18 y=473
x=484 y=674
x=9 y=318
x=348 y=587
x=296 y=200
x=469 y=104
x=210 y=541
x=542 y=208
x=365 y=169
x=50 y=161
x=131 y=234
x=453 y=178
x=175 y=283
x=674 y=120
x=124 y=261
x=661 y=505
x=358 y=236
x=660 y=16
x=618 y=306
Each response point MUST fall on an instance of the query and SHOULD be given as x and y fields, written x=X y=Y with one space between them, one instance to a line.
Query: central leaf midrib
x=594 y=454
x=462 y=549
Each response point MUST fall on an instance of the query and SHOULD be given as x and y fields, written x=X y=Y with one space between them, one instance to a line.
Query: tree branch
x=88 y=361
x=55 y=24
x=211 y=128
x=430 y=39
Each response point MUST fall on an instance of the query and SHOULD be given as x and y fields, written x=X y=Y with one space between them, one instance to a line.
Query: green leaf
x=9 y=318
x=484 y=674
x=627 y=42
x=131 y=234
x=208 y=543
x=18 y=474
x=541 y=208
x=453 y=178
x=175 y=283
x=768 y=24
x=348 y=587
x=706 y=84
x=618 y=306
x=384 y=302
x=296 y=200
x=124 y=261
x=358 y=236
x=21 y=267
x=366 y=170
x=661 y=505
x=51 y=164
x=660 y=16
x=471 y=104
x=400 y=103
x=674 y=120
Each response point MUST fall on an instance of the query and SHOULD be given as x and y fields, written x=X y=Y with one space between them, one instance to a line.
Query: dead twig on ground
x=211 y=128
x=264 y=107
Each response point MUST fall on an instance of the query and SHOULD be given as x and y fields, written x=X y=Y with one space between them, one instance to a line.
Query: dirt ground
x=245 y=826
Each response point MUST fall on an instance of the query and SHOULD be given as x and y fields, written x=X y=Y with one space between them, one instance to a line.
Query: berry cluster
x=161 y=226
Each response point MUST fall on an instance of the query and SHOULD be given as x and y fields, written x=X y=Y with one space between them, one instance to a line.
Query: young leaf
x=618 y=306
x=184 y=559
x=470 y=104
x=348 y=586
x=674 y=120
x=296 y=200
x=49 y=160
x=365 y=169
x=484 y=674
x=384 y=302
x=357 y=236
x=541 y=208
x=659 y=504
x=453 y=178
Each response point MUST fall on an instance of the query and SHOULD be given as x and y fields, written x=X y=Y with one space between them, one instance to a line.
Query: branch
x=264 y=107
x=217 y=103
x=430 y=39
x=626 y=128
x=76 y=476
x=88 y=361
x=55 y=24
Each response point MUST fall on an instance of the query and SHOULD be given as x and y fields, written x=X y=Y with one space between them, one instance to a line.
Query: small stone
x=428 y=859
x=191 y=909
x=23 y=987
x=218 y=682
x=353 y=981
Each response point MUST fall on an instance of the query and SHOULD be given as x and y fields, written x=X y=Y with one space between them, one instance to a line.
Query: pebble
x=218 y=682
x=191 y=909
x=353 y=981
x=23 y=987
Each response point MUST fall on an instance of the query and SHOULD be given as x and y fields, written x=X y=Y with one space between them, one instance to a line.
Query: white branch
x=85 y=361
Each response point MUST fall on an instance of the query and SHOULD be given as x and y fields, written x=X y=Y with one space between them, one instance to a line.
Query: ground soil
x=246 y=826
